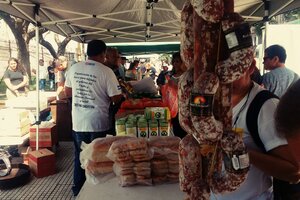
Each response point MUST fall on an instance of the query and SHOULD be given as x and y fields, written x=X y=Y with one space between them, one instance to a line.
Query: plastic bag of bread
x=142 y=170
x=97 y=168
x=130 y=149
x=94 y=160
x=132 y=161
x=127 y=180
x=131 y=173
x=142 y=180
x=165 y=164
x=123 y=168
x=162 y=146
x=96 y=151
x=119 y=151
x=139 y=150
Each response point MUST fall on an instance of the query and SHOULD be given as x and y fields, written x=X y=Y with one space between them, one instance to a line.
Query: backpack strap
x=252 y=115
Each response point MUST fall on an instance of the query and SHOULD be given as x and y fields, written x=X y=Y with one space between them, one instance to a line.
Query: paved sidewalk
x=55 y=187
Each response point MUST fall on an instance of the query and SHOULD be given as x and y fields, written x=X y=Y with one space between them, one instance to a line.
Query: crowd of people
x=96 y=95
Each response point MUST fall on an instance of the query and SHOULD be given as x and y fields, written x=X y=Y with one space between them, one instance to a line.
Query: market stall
x=142 y=124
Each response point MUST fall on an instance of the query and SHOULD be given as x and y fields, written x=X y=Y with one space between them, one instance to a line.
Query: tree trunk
x=23 y=54
x=48 y=46
x=18 y=29
x=62 y=46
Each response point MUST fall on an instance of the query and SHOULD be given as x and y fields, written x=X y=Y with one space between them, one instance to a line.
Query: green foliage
x=258 y=28
x=2 y=87
x=286 y=17
x=32 y=83
x=292 y=15
x=165 y=58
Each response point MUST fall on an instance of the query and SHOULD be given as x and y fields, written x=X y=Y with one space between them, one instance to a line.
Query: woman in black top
x=15 y=78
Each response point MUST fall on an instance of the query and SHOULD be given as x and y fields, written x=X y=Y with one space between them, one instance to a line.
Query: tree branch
x=62 y=46
x=65 y=42
x=31 y=34
x=48 y=46
x=56 y=39
x=8 y=20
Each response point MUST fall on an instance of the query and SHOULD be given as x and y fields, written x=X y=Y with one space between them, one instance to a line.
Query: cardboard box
x=157 y=113
x=24 y=151
x=14 y=122
x=61 y=114
x=47 y=135
x=42 y=162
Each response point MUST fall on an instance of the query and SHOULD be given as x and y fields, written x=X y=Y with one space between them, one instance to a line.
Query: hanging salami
x=215 y=45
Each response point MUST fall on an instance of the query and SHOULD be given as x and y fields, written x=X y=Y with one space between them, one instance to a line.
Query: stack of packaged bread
x=165 y=162
x=94 y=155
x=133 y=160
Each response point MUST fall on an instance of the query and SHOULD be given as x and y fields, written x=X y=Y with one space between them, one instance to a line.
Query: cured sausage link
x=206 y=36
x=232 y=148
x=241 y=49
x=235 y=66
x=187 y=35
x=207 y=128
x=190 y=170
x=211 y=11
x=185 y=87
x=222 y=106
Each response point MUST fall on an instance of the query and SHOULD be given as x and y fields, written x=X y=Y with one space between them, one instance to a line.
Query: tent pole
x=266 y=23
x=36 y=9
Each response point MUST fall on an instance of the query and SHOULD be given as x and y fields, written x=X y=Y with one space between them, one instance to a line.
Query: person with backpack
x=287 y=119
x=287 y=124
x=258 y=184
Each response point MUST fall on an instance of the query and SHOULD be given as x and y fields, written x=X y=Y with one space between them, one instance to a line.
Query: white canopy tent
x=115 y=21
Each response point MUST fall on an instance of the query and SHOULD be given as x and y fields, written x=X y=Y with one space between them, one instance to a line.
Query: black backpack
x=282 y=189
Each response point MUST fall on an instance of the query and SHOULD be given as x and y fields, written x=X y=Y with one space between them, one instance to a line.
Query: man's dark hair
x=96 y=47
x=176 y=55
x=123 y=58
x=276 y=50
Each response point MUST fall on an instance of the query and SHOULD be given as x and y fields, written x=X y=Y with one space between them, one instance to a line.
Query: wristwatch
x=6 y=158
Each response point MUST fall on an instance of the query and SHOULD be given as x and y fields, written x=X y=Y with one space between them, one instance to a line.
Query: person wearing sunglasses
x=279 y=77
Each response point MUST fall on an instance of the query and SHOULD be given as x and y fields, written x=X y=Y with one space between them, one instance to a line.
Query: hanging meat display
x=217 y=49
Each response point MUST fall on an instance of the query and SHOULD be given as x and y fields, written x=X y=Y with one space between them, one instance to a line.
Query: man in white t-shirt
x=92 y=86
x=258 y=184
